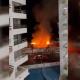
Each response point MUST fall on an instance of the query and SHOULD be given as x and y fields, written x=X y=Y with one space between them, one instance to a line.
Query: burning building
x=17 y=42
x=42 y=23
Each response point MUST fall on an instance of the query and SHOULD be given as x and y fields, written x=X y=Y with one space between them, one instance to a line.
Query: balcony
x=20 y=1
x=20 y=9
x=21 y=73
x=20 y=46
x=19 y=26
x=19 y=15
x=20 y=31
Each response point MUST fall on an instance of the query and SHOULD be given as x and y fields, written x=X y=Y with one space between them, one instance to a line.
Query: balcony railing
x=19 y=10
x=19 y=39
x=19 y=54
x=19 y=26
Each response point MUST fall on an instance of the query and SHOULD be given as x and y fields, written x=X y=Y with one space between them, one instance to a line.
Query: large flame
x=41 y=38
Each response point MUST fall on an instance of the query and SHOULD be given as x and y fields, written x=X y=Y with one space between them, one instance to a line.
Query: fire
x=41 y=38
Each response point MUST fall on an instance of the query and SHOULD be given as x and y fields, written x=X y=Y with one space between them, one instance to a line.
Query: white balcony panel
x=21 y=61
x=20 y=1
x=4 y=52
x=19 y=31
x=20 y=46
x=7 y=78
x=35 y=66
x=19 y=15
x=4 y=20
x=23 y=74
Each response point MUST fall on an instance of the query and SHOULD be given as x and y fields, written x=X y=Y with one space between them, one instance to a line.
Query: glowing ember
x=33 y=43
x=48 y=42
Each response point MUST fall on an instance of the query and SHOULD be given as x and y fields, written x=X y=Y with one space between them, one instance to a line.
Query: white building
x=16 y=43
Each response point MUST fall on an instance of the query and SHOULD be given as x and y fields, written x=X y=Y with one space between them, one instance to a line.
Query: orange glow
x=71 y=48
x=41 y=38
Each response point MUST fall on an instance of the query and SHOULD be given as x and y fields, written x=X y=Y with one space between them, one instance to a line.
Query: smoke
x=50 y=8
x=46 y=10
x=44 y=13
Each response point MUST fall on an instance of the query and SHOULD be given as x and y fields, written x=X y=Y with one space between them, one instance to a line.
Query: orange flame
x=41 y=38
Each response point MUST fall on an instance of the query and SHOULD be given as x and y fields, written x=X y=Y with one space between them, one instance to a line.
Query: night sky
x=4 y=2
x=74 y=19
x=31 y=22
